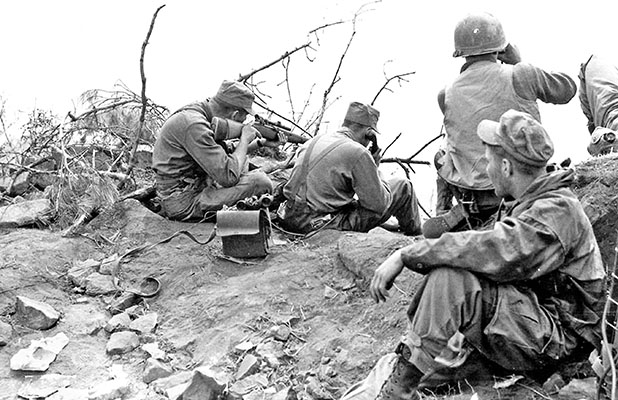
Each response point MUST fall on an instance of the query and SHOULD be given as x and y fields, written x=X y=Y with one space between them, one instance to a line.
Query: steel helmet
x=477 y=34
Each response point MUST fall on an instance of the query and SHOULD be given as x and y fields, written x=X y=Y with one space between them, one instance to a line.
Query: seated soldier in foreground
x=335 y=180
x=198 y=172
x=523 y=296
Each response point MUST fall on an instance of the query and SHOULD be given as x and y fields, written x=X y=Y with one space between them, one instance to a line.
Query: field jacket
x=542 y=242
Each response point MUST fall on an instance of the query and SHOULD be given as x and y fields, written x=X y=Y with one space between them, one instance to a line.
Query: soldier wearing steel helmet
x=526 y=294
x=484 y=89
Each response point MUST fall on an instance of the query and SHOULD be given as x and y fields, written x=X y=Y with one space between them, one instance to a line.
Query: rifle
x=226 y=129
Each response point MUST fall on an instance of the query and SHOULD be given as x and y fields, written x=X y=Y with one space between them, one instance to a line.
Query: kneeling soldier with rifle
x=197 y=170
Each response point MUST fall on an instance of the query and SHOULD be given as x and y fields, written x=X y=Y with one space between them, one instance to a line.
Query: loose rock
x=242 y=387
x=98 y=284
x=43 y=386
x=17 y=184
x=40 y=354
x=36 y=315
x=122 y=342
x=123 y=302
x=244 y=347
x=203 y=386
x=154 y=351
x=155 y=369
x=6 y=331
x=280 y=332
x=110 y=265
x=173 y=383
x=81 y=270
x=118 y=322
x=110 y=390
x=249 y=365
x=25 y=213
x=285 y=394
x=145 y=324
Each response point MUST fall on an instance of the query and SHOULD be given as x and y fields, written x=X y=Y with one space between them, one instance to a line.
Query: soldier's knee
x=401 y=187
x=261 y=183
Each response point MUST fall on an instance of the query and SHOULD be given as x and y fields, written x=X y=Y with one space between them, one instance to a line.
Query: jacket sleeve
x=224 y=168
x=514 y=250
x=583 y=98
x=373 y=193
x=442 y=100
x=533 y=83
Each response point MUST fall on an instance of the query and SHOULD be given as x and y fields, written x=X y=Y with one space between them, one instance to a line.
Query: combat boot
x=403 y=380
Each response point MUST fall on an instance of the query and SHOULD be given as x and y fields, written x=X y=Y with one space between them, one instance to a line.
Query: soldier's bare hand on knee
x=384 y=277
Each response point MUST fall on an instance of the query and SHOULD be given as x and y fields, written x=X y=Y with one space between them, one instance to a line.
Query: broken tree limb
x=142 y=118
x=441 y=134
x=141 y=194
x=393 y=142
x=95 y=110
x=336 y=78
x=399 y=77
x=410 y=160
x=404 y=160
x=287 y=54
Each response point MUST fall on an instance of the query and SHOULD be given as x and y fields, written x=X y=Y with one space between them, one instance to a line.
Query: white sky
x=52 y=51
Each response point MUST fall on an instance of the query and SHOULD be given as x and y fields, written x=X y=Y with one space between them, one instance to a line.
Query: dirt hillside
x=297 y=323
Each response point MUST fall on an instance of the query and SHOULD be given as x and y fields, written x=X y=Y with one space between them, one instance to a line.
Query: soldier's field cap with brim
x=363 y=114
x=237 y=95
x=520 y=135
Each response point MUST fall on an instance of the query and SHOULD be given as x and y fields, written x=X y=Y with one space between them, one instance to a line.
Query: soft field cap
x=236 y=95
x=363 y=114
x=520 y=135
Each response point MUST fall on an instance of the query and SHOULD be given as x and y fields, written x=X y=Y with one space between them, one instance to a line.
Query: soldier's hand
x=248 y=133
x=510 y=55
x=384 y=277
x=376 y=154
x=282 y=139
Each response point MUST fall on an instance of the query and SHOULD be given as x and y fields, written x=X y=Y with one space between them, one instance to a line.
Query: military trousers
x=194 y=201
x=403 y=206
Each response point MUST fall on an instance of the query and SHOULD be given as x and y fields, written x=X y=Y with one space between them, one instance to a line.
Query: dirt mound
x=597 y=188
x=299 y=319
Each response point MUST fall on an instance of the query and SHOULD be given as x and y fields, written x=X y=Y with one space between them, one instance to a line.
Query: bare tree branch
x=286 y=66
x=393 y=142
x=244 y=78
x=335 y=79
x=96 y=110
x=315 y=31
x=399 y=77
x=399 y=160
x=322 y=27
x=410 y=160
x=142 y=118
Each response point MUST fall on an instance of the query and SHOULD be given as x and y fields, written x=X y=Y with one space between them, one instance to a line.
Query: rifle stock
x=226 y=129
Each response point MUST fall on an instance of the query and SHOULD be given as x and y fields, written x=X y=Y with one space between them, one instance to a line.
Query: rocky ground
x=295 y=324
